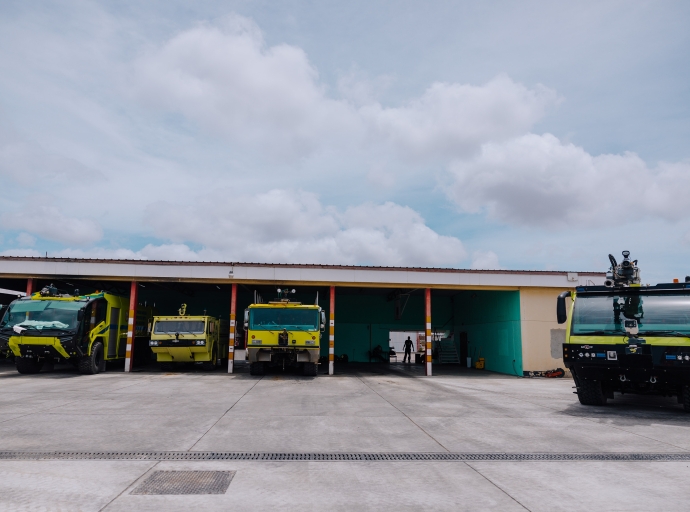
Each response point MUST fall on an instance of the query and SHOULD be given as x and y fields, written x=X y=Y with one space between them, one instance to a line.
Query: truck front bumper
x=171 y=350
x=292 y=354
x=62 y=347
x=627 y=368
x=181 y=354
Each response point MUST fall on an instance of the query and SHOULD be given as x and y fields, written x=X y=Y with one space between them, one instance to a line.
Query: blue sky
x=530 y=135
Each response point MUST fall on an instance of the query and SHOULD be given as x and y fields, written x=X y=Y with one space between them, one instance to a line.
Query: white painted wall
x=537 y=321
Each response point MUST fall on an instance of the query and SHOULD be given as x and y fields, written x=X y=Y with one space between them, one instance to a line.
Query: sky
x=533 y=135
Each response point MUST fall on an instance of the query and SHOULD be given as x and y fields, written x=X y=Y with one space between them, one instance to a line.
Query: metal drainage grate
x=186 y=482
x=285 y=456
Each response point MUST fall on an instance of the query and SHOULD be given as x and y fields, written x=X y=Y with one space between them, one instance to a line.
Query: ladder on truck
x=447 y=352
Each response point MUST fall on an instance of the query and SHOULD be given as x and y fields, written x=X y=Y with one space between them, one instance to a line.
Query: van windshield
x=42 y=314
x=175 y=326
x=268 y=319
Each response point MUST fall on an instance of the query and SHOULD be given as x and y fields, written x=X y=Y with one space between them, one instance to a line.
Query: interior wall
x=168 y=299
x=543 y=336
x=364 y=319
x=491 y=320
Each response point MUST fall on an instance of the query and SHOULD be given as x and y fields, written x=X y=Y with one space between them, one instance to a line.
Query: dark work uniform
x=408 y=349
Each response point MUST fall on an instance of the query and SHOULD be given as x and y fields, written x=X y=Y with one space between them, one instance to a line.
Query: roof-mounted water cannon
x=624 y=274
x=53 y=291
x=284 y=292
x=49 y=291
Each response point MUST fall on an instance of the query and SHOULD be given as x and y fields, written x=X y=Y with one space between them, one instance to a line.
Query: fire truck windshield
x=656 y=314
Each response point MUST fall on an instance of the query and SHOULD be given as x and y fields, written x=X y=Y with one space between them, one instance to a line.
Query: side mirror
x=80 y=315
x=561 y=313
x=246 y=319
x=323 y=320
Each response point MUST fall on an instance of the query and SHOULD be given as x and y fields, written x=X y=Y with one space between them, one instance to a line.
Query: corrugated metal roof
x=292 y=265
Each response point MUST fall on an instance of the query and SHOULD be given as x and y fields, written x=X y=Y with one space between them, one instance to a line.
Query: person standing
x=408 y=350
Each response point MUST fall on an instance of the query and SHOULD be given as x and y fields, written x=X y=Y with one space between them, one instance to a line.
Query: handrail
x=97 y=331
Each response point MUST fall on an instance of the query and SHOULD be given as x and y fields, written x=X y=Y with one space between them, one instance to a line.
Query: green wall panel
x=491 y=320
x=364 y=320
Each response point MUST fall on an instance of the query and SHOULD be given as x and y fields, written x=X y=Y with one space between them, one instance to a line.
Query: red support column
x=29 y=291
x=231 y=340
x=331 y=332
x=131 y=326
x=427 y=303
x=92 y=321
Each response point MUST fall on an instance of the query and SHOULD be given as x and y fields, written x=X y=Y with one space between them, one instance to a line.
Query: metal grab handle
x=96 y=331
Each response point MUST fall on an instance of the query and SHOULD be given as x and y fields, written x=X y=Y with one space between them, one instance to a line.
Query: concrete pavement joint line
x=586 y=418
x=343 y=456
x=223 y=415
x=135 y=481
x=89 y=397
x=495 y=484
x=410 y=419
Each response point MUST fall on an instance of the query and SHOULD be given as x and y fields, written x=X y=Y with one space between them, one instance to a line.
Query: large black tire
x=591 y=392
x=94 y=363
x=209 y=366
x=257 y=368
x=686 y=398
x=28 y=365
x=310 y=369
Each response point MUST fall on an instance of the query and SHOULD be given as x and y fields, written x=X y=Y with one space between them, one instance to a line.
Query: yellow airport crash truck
x=628 y=338
x=85 y=330
x=284 y=334
x=177 y=340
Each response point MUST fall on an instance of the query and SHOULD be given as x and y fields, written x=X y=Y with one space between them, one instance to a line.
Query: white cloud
x=216 y=107
x=485 y=261
x=286 y=227
x=227 y=79
x=256 y=101
x=33 y=253
x=50 y=223
x=455 y=119
x=29 y=164
x=26 y=240
x=293 y=226
x=359 y=89
x=540 y=181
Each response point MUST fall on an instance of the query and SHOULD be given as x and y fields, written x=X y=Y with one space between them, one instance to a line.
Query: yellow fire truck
x=628 y=338
x=84 y=330
x=284 y=334
x=189 y=339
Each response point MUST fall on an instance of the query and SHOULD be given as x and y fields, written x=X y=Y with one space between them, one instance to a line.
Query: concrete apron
x=360 y=412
